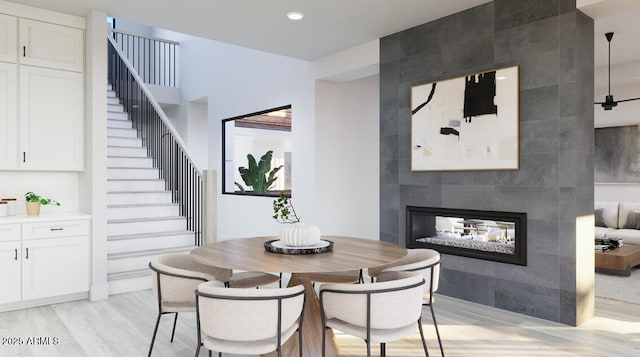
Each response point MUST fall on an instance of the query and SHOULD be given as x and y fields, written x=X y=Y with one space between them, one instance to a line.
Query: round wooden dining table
x=348 y=254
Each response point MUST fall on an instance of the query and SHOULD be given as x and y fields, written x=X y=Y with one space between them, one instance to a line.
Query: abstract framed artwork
x=466 y=123
x=617 y=154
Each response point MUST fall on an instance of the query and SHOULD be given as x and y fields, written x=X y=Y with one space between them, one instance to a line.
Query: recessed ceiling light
x=501 y=78
x=295 y=15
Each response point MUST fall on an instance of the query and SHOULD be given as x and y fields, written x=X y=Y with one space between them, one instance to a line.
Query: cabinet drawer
x=9 y=232
x=55 y=229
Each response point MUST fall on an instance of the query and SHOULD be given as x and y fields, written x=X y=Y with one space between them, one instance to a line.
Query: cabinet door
x=8 y=38
x=52 y=267
x=8 y=116
x=51 y=120
x=53 y=46
x=9 y=272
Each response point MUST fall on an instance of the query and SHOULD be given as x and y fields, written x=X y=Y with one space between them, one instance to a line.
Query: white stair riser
x=142 y=212
x=128 y=264
x=117 y=116
x=111 y=94
x=119 y=124
x=122 y=133
x=122 y=286
x=140 y=244
x=113 y=101
x=132 y=173
x=138 y=198
x=130 y=142
x=137 y=185
x=117 y=107
x=167 y=225
x=141 y=162
x=126 y=151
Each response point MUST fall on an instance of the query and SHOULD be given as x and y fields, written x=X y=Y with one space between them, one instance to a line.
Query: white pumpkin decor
x=295 y=233
x=300 y=235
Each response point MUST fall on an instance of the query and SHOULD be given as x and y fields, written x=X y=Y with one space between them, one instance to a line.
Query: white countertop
x=49 y=217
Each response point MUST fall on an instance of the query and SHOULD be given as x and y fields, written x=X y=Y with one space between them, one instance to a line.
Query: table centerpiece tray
x=277 y=246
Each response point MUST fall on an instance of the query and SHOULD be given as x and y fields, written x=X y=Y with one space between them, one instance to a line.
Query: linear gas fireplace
x=489 y=235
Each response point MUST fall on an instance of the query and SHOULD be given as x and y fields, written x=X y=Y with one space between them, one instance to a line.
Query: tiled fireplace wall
x=552 y=43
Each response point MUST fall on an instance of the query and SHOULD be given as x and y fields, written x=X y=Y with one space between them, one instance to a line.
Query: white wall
x=347 y=157
x=93 y=182
x=625 y=85
x=60 y=186
x=238 y=81
x=197 y=127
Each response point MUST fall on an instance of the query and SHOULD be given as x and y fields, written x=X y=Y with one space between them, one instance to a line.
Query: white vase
x=300 y=235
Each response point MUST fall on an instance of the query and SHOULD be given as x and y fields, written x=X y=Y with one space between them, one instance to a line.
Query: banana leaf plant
x=259 y=176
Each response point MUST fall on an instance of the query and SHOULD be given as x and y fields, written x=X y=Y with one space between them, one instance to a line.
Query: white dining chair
x=247 y=321
x=426 y=262
x=176 y=276
x=380 y=312
x=174 y=279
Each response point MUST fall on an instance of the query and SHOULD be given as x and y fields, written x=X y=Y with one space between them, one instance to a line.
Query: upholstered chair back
x=425 y=262
x=247 y=314
x=179 y=279
x=393 y=304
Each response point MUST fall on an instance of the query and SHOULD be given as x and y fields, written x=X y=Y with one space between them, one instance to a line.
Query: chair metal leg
x=173 y=332
x=383 y=350
x=424 y=342
x=324 y=338
x=219 y=354
x=155 y=331
x=368 y=349
x=210 y=353
x=280 y=281
x=198 y=350
x=300 y=340
x=433 y=315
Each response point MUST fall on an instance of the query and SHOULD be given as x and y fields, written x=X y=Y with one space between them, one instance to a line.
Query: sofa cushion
x=609 y=212
x=623 y=212
x=633 y=220
x=599 y=217
x=629 y=236
x=601 y=232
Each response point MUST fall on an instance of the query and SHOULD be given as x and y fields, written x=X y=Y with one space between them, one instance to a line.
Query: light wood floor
x=122 y=326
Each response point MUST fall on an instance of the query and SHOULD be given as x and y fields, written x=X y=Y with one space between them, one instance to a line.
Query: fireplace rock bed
x=504 y=248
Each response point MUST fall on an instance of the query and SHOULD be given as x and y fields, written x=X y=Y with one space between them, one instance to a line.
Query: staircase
x=142 y=220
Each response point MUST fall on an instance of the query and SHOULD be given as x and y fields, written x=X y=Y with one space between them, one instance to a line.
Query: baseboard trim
x=99 y=292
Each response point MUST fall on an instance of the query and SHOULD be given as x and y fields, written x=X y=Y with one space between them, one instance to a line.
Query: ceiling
x=328 y=26
x=333 y=25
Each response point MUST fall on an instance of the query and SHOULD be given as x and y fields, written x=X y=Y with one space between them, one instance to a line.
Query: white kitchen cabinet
x=50 y=45
x=41 y=95
x=8 y=116
x=8 y=38
x=43 y=259
x=10 y=267
x=51 y=119
x=54 y=266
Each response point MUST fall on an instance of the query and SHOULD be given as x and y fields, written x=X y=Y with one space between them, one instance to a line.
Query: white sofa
x=618 y=220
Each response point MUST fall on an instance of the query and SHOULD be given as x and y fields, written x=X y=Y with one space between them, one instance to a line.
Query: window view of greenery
x=257 y=153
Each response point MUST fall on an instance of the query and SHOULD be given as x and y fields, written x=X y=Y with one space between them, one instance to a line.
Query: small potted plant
x=296 y=233
x=34 y=202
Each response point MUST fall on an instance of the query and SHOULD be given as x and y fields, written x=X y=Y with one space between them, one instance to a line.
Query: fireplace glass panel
x=491 y=235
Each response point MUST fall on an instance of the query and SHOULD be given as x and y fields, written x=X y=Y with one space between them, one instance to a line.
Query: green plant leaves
x=255 y=176
x=32 y=197
x=283 y=210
